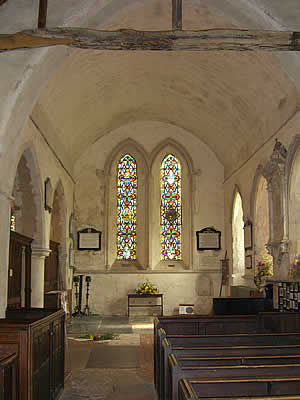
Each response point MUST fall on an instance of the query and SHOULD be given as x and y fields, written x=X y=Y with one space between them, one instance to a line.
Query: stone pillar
x=62 y=268
x=37 y=275
x=5 y=201
x=278 y=245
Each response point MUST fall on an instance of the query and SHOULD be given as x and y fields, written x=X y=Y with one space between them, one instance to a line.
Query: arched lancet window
x=238 y=249
x=262 y=231
x=170 y=211
x=126 y=210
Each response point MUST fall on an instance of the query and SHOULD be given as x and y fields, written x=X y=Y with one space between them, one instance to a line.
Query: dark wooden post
x=176 y=15
x=42 y=14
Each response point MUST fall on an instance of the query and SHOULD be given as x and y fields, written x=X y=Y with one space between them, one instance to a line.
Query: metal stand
x=87 y=309
x=78 y=295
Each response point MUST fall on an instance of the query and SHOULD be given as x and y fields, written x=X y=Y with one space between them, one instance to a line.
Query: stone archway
x=28 y=208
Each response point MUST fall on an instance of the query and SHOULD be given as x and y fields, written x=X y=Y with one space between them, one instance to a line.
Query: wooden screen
x=19 y=270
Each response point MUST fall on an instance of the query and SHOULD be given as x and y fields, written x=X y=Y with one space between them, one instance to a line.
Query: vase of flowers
x=263 y=268
x=146 y=288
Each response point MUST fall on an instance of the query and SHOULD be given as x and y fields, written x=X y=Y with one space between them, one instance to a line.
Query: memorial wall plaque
x=208 y=239
x=89 y=239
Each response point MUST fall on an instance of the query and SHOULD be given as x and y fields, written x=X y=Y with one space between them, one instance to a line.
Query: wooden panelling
x=19 y=258
x=39 y=337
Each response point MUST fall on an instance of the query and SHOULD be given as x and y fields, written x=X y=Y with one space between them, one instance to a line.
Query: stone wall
x=245 y=178
x=108 y=292
x=94 y=206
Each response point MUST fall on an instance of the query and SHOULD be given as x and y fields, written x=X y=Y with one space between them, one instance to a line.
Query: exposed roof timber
x=205 y=40
x=42 y=14
x=2 y=2
x=177 y=15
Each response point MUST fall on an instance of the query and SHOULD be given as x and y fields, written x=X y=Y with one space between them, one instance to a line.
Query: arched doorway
x=26 y=228
x=238 y=248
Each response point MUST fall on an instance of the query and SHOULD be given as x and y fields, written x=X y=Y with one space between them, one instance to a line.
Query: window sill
x=170 y=266
x=123 y=265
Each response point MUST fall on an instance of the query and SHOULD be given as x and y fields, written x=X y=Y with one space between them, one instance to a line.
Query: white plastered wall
x=45 y=165
x=245 y=177
x=109 y=287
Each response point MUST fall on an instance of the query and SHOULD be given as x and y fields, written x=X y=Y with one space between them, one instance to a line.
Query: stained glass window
x=12 y=223
x=126 y=214
x=170 y=213
x=12 y=217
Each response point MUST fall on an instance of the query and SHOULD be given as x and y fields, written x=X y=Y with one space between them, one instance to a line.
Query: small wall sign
x=208 y=239
x=89 y=239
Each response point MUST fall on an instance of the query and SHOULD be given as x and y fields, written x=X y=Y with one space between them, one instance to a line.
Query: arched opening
x=238 y=248
x=126 y=229
x=170 y=212
x=26 y=227
x=294 y=208
x=170 y=208
x=127 y=185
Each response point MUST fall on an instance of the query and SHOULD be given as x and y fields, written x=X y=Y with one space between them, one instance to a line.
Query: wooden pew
x=284 y=388
x=264 y=322
x=237 y=360
x=200 y=325
x=228 y=367
x=216 y=340
x=215 y=351
x=38 y=339
x=9 y=376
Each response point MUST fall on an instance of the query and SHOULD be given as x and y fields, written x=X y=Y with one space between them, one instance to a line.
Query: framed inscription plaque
x=208 y=239
x=89 y=239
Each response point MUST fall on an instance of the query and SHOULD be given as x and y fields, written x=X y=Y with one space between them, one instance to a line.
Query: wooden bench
x=200 y=325
x=186 y=341
x=240 y=388
x=234 y=367
x=237 y=360
x=216 y=351
x=266 y=322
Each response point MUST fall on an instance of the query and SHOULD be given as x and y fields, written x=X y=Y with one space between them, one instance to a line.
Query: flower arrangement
x=296 y=267
x=98 y=338
x=264 y=267
x=146 y=288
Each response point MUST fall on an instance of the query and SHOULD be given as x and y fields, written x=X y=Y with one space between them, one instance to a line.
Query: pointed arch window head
x=126 y=212
x=170 y=211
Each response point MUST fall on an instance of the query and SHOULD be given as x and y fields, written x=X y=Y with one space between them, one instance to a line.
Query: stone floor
x=120 y=369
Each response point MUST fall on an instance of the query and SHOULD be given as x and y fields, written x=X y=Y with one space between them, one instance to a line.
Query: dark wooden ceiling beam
x=215 y=40
x=2 y=2
x=42 y=14
x=177 y=15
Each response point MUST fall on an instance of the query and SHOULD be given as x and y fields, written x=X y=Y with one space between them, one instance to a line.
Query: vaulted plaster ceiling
x=232 y=101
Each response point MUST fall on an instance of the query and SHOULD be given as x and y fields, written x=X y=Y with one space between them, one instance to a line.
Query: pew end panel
x=39 y=340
